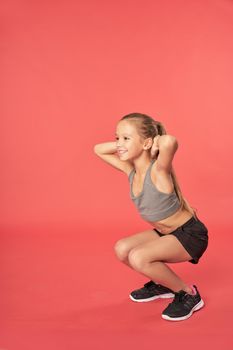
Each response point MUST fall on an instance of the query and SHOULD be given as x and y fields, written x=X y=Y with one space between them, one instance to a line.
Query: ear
x=148 y=143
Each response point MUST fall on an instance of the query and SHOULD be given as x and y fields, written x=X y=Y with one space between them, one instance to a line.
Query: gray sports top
x=152 y=204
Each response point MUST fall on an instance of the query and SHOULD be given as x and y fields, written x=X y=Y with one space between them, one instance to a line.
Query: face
x=128 y=142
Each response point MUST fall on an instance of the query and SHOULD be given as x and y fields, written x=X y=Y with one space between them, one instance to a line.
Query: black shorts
x=193 y=235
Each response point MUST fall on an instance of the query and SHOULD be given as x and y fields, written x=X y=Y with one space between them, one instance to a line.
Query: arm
x=105 y=148
x=106 y=151
x=166 y=145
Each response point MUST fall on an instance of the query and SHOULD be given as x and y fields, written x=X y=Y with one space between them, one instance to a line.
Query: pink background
x=69 y=71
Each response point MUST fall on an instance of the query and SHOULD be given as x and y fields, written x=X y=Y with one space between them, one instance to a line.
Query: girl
x=144 y=152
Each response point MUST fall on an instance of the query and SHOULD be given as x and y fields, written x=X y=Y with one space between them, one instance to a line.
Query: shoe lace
x=179 y=296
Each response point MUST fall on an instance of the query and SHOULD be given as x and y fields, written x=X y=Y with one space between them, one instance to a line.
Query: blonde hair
x=148 y=127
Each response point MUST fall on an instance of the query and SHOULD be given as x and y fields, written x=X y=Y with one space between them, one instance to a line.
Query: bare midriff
x=174 y=221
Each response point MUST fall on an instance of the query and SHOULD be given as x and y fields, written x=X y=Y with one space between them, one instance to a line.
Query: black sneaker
x=151 y=291
x=183 y=306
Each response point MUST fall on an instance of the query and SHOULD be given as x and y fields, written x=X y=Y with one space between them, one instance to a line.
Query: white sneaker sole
x=195 y=308
x=162 y=296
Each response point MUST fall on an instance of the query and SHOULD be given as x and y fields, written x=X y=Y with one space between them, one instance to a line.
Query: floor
x=60 y=291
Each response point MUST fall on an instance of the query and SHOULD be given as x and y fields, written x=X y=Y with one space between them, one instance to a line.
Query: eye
x=126 y=138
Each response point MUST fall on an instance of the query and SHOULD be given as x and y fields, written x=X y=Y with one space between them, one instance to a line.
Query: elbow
x=169 y=141
x=174 y=142
x=95 y=149
x=172 y=139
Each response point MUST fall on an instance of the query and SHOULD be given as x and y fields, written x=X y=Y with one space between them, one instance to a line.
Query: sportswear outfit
x=155 y=205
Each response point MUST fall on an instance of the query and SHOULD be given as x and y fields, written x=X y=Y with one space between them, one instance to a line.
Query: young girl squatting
x=144 y=152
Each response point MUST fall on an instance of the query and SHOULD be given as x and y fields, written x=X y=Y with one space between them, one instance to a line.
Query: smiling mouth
x=121 y=152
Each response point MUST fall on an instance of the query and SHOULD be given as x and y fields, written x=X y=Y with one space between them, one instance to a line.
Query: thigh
x=133 y=241
x=166 y=249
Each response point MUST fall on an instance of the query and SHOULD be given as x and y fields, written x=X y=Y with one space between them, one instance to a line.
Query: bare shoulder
x=129 y=169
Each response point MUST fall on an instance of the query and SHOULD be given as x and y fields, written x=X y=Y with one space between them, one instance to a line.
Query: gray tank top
x=152 y=204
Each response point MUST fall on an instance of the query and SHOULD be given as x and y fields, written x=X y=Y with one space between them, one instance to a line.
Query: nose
x=119 y=145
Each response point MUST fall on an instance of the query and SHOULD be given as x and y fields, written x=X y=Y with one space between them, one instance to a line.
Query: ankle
x=190 y=290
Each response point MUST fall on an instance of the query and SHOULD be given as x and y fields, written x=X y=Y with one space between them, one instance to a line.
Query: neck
x=141 y=166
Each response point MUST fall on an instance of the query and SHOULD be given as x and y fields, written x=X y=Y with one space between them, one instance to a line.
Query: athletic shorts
x=193 y=235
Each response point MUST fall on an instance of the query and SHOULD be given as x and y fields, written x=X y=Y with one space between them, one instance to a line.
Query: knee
x=121 y=250
x=137 y=259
